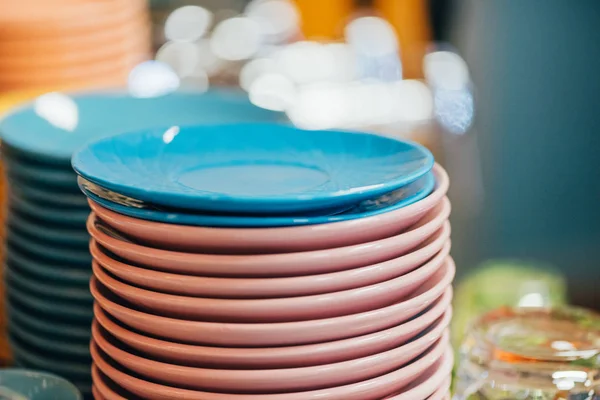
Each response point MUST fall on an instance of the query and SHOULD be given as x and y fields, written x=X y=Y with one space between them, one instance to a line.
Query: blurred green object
x=498 y=283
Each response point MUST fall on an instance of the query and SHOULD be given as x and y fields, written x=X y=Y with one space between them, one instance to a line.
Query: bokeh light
x=273 y=91
x=372 y=37
x=182 y=57
x=278 y=19
x=446 y=70
x=152 y=79
x=236 y=39
x=254 y=69
x=58 y=109
x=188 y=23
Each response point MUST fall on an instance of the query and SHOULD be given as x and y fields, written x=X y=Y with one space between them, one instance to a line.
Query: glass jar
x=531 y=354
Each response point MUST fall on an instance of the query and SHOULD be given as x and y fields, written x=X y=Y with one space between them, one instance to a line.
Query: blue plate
x=57 y=125
x=51 y=272
x=399 y=198
x=48 y=251
x=34 y=385
x=37 y=194
x=71 y=369
x=60 y=216
x=47 y=306
x=53 y=179
x=67 y=236
x=251 y=168
x=31 y=320
x=62 y=292
x=53 y=345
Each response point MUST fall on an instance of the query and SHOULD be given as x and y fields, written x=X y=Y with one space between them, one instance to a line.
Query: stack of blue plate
x=47 y=268
x=48 y=265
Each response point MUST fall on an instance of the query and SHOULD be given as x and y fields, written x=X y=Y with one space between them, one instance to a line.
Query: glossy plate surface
x=251 y=168
x=275 y=334
x=375 y=388
x=35 y=386
x=196 y=239
x=55 y=125
x=395 y=200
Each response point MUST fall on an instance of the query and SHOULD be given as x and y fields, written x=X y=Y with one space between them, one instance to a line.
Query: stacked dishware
x=48 y=264
x=46 y=268
x=261 y=261
x=76 y=44
x=20 y=384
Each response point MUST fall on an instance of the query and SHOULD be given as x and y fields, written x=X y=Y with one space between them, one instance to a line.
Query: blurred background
x=505 y=93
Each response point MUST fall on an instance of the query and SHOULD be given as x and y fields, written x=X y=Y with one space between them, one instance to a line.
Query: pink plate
x=276 y=334
x=276 y=357
x=443 y=392
x=271 y=380
x=284 y=309
x=431 y=382
x=372 y=389
x=275 y=240
x=96 y=393
x=273 y=265
x=239 y=288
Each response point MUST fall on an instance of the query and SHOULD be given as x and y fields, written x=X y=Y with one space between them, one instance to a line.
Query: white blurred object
x=207 y=59
x=58 y=109
x=188 y=23
x=372 y=36
x=306 y=62
x=279 y=20
x=236 y=39
x=182 y=57
x=320 y=106
x=152 y=79
x=272 y=91
x=413 y=101
x=446 y=70
x=344 y=62
x=197 y=81
x=454 y=110
x=254 y=69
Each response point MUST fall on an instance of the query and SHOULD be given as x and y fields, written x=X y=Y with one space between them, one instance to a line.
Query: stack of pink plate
x=71 y=43
x=351 y=310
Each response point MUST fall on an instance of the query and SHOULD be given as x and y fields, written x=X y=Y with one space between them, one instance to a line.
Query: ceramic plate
x=395 y=200
x=51 y=345
x=49 y=232
x=276 y=334
x=272 y=380
x=72 y=293
x=35 y=386
x=37 y=194
x=48 y=252
x=326 y=305
x=45 y=270
x=375 y=388
x=60 y=216
x=250 y=288
x=47 y=306
x=32 y=320
x=53 y=363
x=274 y=357
x=272 y=265
x=54 y=126
x=51 y=179
x=431 y=382
x=194 y=239
x=251 y=168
